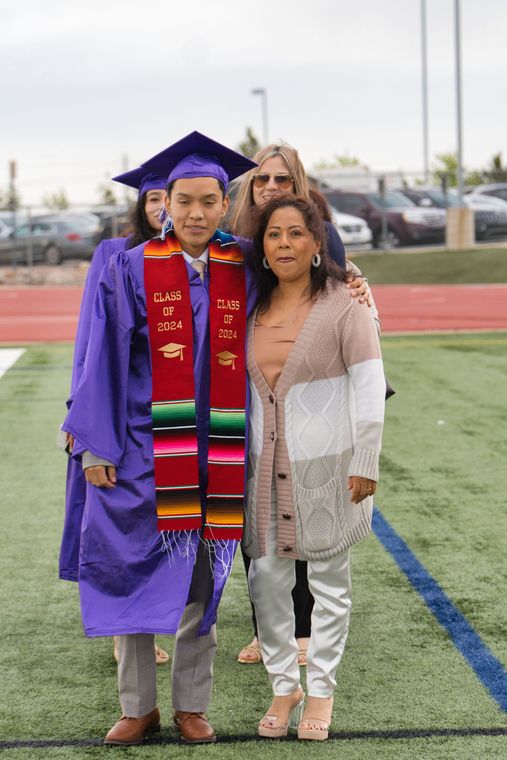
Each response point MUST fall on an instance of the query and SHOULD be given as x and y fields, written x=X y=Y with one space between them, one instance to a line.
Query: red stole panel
x=169 y=312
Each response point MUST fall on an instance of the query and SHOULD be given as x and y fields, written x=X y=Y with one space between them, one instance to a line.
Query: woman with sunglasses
x=317 y=404
x=145 y=223
x=281 y=171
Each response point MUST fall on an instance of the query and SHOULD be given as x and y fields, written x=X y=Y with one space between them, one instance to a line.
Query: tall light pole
x=457 y=31
x=262 y=92
x=424 y=62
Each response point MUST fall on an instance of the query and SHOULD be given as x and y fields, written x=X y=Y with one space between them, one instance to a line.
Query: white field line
x=8 y=357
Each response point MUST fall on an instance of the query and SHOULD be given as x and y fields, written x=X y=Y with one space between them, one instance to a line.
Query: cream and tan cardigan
x=321 y=423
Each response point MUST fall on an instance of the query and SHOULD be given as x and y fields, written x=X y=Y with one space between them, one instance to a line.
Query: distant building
x=359 y=178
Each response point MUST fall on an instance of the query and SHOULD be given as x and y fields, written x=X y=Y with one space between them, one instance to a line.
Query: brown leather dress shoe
x=134 y=730
x=194 y=727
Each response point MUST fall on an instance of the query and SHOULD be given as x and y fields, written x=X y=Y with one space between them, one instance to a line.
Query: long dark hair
x=140 y=230
x=321 y=203
x=266 y=281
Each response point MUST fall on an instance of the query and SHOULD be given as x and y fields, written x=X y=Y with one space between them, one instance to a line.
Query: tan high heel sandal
x=314 y=724
x=251 y=654
x=284 y=713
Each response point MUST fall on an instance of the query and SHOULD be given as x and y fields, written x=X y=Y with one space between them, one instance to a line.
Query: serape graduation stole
x=169 y=311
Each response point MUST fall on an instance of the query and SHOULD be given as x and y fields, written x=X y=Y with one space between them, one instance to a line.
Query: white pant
x=271 y=580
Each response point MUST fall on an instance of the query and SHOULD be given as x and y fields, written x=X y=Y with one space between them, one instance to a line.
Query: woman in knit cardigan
x=280 y=170
x=317 y=404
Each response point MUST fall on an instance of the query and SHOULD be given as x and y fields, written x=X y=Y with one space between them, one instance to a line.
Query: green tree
x=250 y=144
x=340 y=162
x=56 y=201
x=107 y=195
x=10 y=200
x=447 y=166
x=496 y=171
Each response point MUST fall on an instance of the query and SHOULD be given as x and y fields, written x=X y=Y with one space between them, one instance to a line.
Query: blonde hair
x=242 y=216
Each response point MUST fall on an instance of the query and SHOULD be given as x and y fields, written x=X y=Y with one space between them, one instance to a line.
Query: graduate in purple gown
x=158 y=420
x=145 y=225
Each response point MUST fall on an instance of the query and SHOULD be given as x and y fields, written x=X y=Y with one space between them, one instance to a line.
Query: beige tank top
x=272 y=344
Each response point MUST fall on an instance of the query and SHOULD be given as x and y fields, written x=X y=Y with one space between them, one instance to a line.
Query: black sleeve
x=335 y=247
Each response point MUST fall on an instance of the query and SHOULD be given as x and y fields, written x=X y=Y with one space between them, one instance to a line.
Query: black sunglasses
x=283 y=181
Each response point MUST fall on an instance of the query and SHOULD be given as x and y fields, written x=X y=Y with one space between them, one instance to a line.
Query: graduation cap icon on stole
x=173 y=351
x=226 y=358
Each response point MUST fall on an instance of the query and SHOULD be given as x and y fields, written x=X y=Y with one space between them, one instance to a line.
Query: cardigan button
x=287 y=548
x=281 y=475
x=286 y=516
x=271 y=398
x=272 y=436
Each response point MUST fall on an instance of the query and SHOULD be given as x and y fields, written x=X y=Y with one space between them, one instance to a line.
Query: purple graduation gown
x=75 y=491
x=129 y=580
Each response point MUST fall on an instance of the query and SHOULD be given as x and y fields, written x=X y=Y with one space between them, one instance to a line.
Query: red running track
x=432 y=308
x=38 y=314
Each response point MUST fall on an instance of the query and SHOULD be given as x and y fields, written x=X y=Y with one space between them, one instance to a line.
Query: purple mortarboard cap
x=142 y=179
x=198 y=156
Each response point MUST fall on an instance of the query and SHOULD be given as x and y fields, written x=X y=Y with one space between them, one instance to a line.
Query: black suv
x=490 y=214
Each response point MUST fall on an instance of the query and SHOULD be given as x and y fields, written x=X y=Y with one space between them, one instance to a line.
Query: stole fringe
x=184 y=543
x=221 y=556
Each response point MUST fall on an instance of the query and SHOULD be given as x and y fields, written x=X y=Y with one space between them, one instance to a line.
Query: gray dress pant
x=192 y=665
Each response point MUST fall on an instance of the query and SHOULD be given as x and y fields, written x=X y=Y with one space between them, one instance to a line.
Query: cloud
x=87 y=82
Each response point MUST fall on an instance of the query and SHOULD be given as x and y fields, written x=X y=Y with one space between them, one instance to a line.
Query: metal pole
x=382 y=192
x=29 y=250
x=12 y=205
x=424 y=65
x=457 y=30
x=264 y=104
x=125 y=166
x=265 y=117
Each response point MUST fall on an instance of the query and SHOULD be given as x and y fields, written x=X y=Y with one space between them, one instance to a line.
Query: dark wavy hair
x=265 y=280
x=139 y=230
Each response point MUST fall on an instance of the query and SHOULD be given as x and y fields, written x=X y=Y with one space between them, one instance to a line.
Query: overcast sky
x=85 y=82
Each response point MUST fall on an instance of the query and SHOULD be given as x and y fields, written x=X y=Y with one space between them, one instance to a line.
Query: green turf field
x=443 y=485
x=484 y=265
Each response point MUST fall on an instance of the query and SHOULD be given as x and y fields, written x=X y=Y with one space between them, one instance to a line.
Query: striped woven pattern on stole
x=226 y=456
x=176 y=468
x=173 y=397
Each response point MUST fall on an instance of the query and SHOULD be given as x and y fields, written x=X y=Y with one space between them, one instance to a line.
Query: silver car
x=53 y=238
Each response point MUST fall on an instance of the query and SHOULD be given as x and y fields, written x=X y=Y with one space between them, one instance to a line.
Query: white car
x=5 y=230
x=353 y=231
x=495 y=190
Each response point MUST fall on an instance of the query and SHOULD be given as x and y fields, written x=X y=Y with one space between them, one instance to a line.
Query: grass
x=479 y=265
x=442 y=488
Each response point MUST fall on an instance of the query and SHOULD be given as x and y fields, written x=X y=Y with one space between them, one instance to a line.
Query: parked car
x=54 y=237
x=115 y=225
x=490 y=214
x=406 y=223
x=114 y=220
x=495 y=190
x=5 y=230
x=353 y=230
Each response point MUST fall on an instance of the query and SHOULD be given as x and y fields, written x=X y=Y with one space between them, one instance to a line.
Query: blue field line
x=488 y=669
